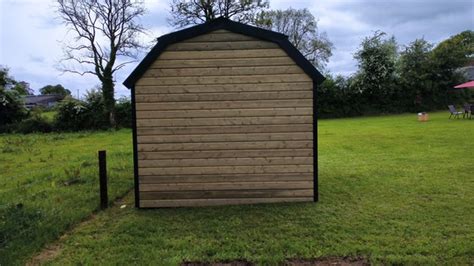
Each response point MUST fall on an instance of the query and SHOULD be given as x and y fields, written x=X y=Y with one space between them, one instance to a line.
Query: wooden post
x=104 y=200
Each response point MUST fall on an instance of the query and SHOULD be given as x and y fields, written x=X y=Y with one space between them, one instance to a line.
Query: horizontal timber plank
x=225 y=113
x=220 y=37
x=242 y=79
x=190 y=130
x=223 y=88
x=223 y=45
x=222 y=62
x=244 y=145
x=217 y=178
x=216 y=202
x=226 y=194
x=211 y=105
x=226 y=186
x=276 y=52
x=230 y=96
x=225 y=162
x=222 y=71
x=224 y=137
x=227 y=121
x=224 y=154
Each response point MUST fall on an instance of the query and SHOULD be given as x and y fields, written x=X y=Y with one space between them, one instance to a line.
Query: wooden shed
x=223 y=113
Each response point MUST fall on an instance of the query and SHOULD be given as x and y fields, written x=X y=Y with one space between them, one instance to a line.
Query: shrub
x=123 y=112
x=71 y=115
x=11 y=108
x=96 y=116
x=33 y=124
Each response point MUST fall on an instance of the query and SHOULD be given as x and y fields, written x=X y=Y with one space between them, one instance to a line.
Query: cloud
x=32 y=35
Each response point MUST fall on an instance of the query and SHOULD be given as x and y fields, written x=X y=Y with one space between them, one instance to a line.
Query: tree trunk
x=109 y=99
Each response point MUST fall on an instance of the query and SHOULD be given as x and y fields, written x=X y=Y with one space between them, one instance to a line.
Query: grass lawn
x=49 y=182
x=392 y=190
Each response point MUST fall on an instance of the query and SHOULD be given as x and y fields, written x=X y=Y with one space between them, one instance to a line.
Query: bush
x=123 y=113
x=71 y=115
x=96 y=116
x=34 y=124
x=11 y=108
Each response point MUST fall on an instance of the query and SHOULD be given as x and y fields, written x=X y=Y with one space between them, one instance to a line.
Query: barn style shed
x=224 y=114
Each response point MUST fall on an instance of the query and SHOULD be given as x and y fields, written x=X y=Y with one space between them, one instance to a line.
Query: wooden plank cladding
x=224 y=118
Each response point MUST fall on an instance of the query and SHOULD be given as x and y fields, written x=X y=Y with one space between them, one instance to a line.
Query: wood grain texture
x=254 y=61
x=225 y=162
x=220 y=178
x=211 y=105
x=222 y=71
x=236 y=79
x=227 y=186
x=224 y=88
x=229 y=96
x=226 y=194
x=221 y=45
x=216 y=202
x=234 y=145
x=224 y=118
x=205 y=154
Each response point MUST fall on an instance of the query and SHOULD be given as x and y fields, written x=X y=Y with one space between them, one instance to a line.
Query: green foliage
x=55 y=89
x=302 y=30
x=188 y=12
x=376 y=76
x=418 y=79
x=11 y=108
x=389 y=191
x=123 y=111
x=49 y=183
x=34 y=124
x=71 y=115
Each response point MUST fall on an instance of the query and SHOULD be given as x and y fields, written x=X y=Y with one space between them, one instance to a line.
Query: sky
x=32 y=35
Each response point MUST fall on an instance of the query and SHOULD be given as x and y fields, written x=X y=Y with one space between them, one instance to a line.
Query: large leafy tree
x=192 y=12
x=11 y=103
x=302 y=30
x=414 y=69
x=375 y=78
x=55 y=89
x=105 y=31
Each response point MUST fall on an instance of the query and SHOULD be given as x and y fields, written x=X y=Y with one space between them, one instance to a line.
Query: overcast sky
x=31 y=35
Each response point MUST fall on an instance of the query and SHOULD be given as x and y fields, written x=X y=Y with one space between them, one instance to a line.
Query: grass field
x=392 y=190
x=49 y=182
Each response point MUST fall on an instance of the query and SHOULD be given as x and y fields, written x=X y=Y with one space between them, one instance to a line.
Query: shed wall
x=224 y=118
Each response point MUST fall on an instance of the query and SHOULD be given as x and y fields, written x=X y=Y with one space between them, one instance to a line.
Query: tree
x=105 y=31
x=375 y=78
x=414 y=69
x=446 y=58
x=55 y=89
x=192 y=12
x=302 y=30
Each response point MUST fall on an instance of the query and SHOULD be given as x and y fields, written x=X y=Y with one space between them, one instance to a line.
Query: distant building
x=48 y=100
x=468 y=70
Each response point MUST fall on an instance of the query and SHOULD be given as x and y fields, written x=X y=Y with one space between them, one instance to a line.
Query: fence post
x=104 y=201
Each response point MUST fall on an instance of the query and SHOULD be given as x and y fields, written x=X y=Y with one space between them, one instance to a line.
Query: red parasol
x=469 y=84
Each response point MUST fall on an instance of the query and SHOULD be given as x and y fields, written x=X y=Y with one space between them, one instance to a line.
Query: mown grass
x=49 y=182
x=392 y=190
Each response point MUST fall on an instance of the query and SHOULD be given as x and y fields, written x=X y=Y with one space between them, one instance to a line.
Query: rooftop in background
x=42 y=100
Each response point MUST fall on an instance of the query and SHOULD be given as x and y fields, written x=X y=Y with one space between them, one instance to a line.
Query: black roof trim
x=223 y=23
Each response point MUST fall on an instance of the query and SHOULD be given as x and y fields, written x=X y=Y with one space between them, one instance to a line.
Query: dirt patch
x=52 y=250
x=224 y=263
x=324 y=261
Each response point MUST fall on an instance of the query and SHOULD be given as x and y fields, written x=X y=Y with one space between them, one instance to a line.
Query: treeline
x=418 y=78
x=68 y=115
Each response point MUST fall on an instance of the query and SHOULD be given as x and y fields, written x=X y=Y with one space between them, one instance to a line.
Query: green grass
x=392 y=190
x=49 y=182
